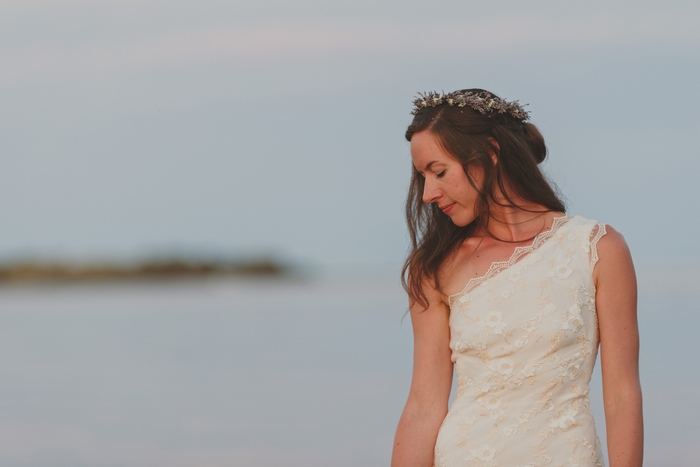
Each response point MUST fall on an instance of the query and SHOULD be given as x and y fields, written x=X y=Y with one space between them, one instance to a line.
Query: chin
x=461 y=222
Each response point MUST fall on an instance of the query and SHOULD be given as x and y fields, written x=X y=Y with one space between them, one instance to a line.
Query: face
x=446 y=184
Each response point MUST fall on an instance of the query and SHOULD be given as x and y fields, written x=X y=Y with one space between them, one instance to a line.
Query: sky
x=132 y=128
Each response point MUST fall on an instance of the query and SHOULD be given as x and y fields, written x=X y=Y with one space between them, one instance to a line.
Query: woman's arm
x=616 y=304
x=414 y=444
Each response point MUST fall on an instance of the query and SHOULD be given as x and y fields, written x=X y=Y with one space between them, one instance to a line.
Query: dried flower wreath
x=483 y=102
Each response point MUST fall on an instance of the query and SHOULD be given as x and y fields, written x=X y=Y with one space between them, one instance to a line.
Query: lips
x=447 y=208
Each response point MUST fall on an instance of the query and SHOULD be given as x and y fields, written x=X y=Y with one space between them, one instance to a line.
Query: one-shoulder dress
x=524 y=340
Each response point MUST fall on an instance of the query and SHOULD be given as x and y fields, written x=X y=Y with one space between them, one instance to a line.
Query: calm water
x=264 y=373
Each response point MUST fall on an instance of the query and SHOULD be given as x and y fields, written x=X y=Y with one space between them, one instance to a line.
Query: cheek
x=458 y=178
x=463 y=189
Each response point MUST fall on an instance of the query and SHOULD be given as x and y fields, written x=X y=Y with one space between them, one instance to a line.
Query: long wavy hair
x=471 y=138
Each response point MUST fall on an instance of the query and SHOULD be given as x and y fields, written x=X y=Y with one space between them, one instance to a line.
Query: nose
x=430 y=192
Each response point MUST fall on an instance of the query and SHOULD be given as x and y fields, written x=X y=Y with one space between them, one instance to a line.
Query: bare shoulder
x=615 y=259
x=436 y=300
x=612 y=246
x=455 y=270
x=613 y=242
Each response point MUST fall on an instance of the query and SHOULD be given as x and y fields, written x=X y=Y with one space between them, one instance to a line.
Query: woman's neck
x=520 y=222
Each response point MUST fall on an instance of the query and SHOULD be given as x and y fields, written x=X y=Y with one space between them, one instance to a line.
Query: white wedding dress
x=524 y=341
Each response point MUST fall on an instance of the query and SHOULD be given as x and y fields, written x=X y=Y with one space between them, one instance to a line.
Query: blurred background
x=273 y=130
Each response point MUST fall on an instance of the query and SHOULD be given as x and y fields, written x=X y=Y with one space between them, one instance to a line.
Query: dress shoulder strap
x=596 y=234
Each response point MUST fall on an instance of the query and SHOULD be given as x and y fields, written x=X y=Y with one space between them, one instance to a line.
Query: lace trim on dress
x=518 y=253
x=594 y=242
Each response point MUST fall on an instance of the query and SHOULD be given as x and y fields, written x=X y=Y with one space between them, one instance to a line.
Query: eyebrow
x=427 y=167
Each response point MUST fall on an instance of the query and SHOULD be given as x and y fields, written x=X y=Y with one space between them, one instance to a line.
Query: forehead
x=426 y=150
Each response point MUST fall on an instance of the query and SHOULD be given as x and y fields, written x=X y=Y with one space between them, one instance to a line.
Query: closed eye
x=441 y=174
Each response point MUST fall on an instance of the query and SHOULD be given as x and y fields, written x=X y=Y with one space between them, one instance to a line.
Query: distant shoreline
x=32 y=271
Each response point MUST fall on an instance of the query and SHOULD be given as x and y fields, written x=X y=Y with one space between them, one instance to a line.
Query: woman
x=513 y=294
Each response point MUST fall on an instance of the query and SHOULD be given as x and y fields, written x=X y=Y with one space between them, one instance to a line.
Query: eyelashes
x=439 y=175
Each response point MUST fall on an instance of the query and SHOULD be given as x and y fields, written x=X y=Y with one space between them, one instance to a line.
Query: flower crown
x=483 y=102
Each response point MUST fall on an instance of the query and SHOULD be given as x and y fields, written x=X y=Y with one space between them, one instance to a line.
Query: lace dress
x=524 y=340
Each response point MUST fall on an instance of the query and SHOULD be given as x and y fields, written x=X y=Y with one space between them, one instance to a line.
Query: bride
x=515 y=296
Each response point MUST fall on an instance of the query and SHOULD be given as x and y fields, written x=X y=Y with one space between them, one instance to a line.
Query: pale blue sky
x=129 y=127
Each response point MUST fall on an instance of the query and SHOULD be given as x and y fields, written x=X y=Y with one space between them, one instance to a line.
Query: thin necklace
x=477 y=247
x=521 y=222
x=514 y=223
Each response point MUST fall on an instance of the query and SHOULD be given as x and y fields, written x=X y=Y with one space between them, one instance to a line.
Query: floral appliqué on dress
x=524 y=340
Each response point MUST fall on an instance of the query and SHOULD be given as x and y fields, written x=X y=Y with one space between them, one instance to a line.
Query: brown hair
x=470 y=138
